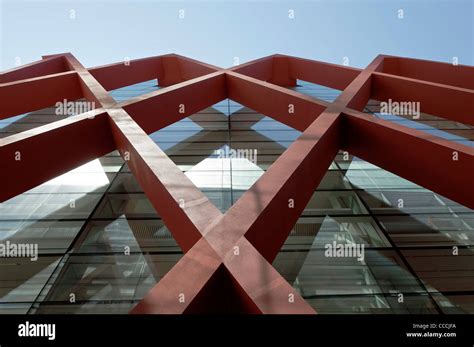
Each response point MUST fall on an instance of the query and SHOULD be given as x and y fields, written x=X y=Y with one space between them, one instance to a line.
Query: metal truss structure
x=227 y=262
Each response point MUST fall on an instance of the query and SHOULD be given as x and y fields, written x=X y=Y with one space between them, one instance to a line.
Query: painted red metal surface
x=227 y=262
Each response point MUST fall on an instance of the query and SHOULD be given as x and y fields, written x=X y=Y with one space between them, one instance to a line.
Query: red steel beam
x=461 y=76
x=190 y=68
x=118 y=75
x=39 y=92
x=286 y=106
x=434 y=163
x=31 y=158
x=261 y=69
x=46 y=66
x=163 y=107
x=281 y=72
x=453 y=103
x=292 y=178
x=326 y=74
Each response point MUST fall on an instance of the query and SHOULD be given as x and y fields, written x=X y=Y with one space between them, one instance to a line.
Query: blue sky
x=217 y=31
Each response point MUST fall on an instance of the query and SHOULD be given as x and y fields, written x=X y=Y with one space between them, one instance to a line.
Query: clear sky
x=101 y=32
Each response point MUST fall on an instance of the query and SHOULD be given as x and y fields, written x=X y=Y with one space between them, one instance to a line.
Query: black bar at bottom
x=318 y=330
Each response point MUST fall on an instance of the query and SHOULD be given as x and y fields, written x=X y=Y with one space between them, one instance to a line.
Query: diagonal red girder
x=235 y=250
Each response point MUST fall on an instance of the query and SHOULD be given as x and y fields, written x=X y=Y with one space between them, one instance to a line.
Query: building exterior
x=284 y=185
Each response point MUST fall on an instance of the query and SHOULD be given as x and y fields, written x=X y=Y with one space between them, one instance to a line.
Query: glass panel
x=115 y=206
x=49 y=206
x=430 y=230
x=334 y=203
x=443 y=270
x=50 y=236
x=411 y=117
x=316 y=90
x=117 y=236
x=455 y=304
x=376 y=272
x=134 y=90
x=105 y=279
x=22 y=278
x=317 y=232
x=108 y=264
x=373 y=304
x=406 y=201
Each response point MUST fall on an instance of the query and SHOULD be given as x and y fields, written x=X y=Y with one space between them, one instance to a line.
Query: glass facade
x=102 y=246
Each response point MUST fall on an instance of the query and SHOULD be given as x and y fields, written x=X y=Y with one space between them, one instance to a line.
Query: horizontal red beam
x=47 y=66
x=167 y=106
x=122 y=74
x=73 y=140
x=452 y=103
x=412 y=154
x=326 y=74
x=454 y=75
x=261 y=69
x=190 y=68
x=36 y=93
x=274 y=101
x=169 y=69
